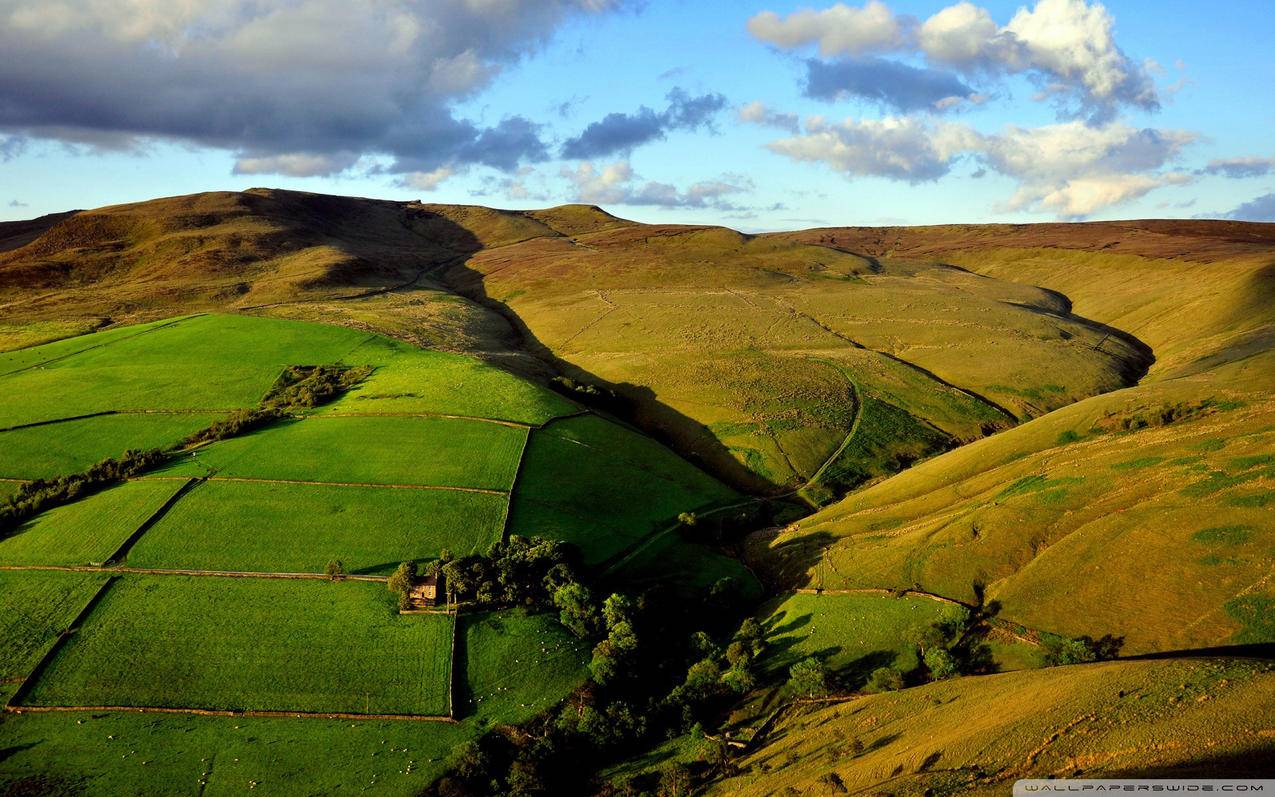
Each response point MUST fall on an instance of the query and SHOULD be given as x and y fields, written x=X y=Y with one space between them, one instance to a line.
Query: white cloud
x=1066 y=46
x=757 y=113
x=617 y=184
x=1070 y=169
x=838 y=30
x=429 y=181
x=297 y=164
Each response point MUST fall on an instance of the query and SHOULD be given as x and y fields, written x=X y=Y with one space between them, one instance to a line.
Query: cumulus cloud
x=301 y=86
x=838 y=30
x=1240 y=167
x=1066 y=46
x=428 y=181
x=622 y=132
x=1260 y=209
x=617 y=184
x=899 y=148
x=757 y=113
x=1071 y=169
x=891 y=83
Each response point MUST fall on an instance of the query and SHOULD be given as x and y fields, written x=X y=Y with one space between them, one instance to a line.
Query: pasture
x=635 y=487
x=851 y=634
x=299 y=528
x=35 y=607
x=517 y=664
x=58 y=449
x=260 y=644
x=88 y=531
x=439 y=452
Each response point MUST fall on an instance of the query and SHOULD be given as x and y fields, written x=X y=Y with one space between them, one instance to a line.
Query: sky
x=755 y=115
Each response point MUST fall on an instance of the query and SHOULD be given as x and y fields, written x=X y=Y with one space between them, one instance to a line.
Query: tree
x=885 y=679
x=1080 y=650
x=576 y=610
x=808 y=678
x=335 y=570
x=675 y=780
x=941 y=663
x=400 y=583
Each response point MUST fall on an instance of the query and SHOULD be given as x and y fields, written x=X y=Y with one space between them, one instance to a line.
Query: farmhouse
x=423 y=592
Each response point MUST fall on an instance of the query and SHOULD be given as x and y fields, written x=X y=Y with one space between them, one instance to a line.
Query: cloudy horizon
x=757 y=115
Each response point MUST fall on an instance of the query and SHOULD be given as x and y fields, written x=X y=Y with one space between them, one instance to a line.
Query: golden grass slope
x=976 y=736
x=1143 y=513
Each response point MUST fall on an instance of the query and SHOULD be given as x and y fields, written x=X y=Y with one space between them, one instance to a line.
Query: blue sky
x=757 y=115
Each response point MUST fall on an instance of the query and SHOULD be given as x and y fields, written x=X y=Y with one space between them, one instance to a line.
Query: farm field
x=35 y=607
x=89 y=531
x=612 y=509
x=433 y=452
x=851 y=634
x=41 y=452
x=299 y=528
x=260 y=644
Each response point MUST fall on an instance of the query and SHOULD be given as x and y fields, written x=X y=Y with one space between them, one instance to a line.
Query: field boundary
x=451 y=669
x=12 y=704
x=614 y=562
x=215 y=712
x=43 y=363
x=513 y=484
x=443 y=415
x=146 y=525
x=160 y=571
x=311 y=483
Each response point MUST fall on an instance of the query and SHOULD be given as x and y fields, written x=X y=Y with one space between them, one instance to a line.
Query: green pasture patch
x=1036 y=483
x=1137 y=464
x=90 y=530
x=1216 y=482
x=36 y=333
x=35 y=607
x=416 y=381
x=1210 y=444
x=634 y=487
x=851 y=634
x=369 y=450
x=1225 y=535
x=33 y=356
x=1264 y=498
x=517 y=664
x=1256 y=616
x=259 y=526
x=59 y=449
x=243 y=643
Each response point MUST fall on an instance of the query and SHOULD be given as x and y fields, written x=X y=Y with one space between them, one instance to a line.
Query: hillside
x=777 y=365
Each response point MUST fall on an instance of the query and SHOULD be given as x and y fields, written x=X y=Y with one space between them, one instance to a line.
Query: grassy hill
x=197 y=586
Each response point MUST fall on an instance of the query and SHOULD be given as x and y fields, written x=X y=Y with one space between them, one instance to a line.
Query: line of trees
x=34 y=497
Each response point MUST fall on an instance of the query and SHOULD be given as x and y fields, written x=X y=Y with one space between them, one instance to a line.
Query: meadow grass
x=34 y=355
x=635 y=487
x=42 y=452
x=851 y=634
x=37 y=333
x=88 y=531
x=414 y=381
x=369 y=450
x=517 y=664
x=221 y=643
x=35 y=607
x=300 y=528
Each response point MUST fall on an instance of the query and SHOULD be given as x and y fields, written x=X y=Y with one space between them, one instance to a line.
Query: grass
x=35 y=608
x=635 y=487
x=88 y=531
x=299 y=528
x=518 y=664
x=252 y=644
x=211 y=362
x=408 y=380
x=369 y=450
x=42 y=452
x=37 y=333
x=976 y=736
x=851 y=634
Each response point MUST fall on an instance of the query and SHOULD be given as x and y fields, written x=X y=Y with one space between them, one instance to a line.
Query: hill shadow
x=640 y=407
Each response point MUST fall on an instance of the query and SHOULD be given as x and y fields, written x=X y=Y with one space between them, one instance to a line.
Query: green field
x=635 y=487
x=852 y=634
x=32 y=356
x=370 y=450
x=209 y=362
x=220 y=643
x=408 y=380
x=42 y=452
x=517 y=665
x=88 y=531
x=34 y=609
x=299 y=528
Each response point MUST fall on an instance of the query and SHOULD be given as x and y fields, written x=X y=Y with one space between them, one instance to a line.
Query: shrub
x=885 y=679
x=808 y=678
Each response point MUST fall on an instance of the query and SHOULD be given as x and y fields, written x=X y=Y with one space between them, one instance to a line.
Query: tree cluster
x=36 y=496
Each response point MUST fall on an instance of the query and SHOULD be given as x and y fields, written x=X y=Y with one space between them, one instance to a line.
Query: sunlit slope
x=978 y=735
x=759 y=355
x=1144 y=513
